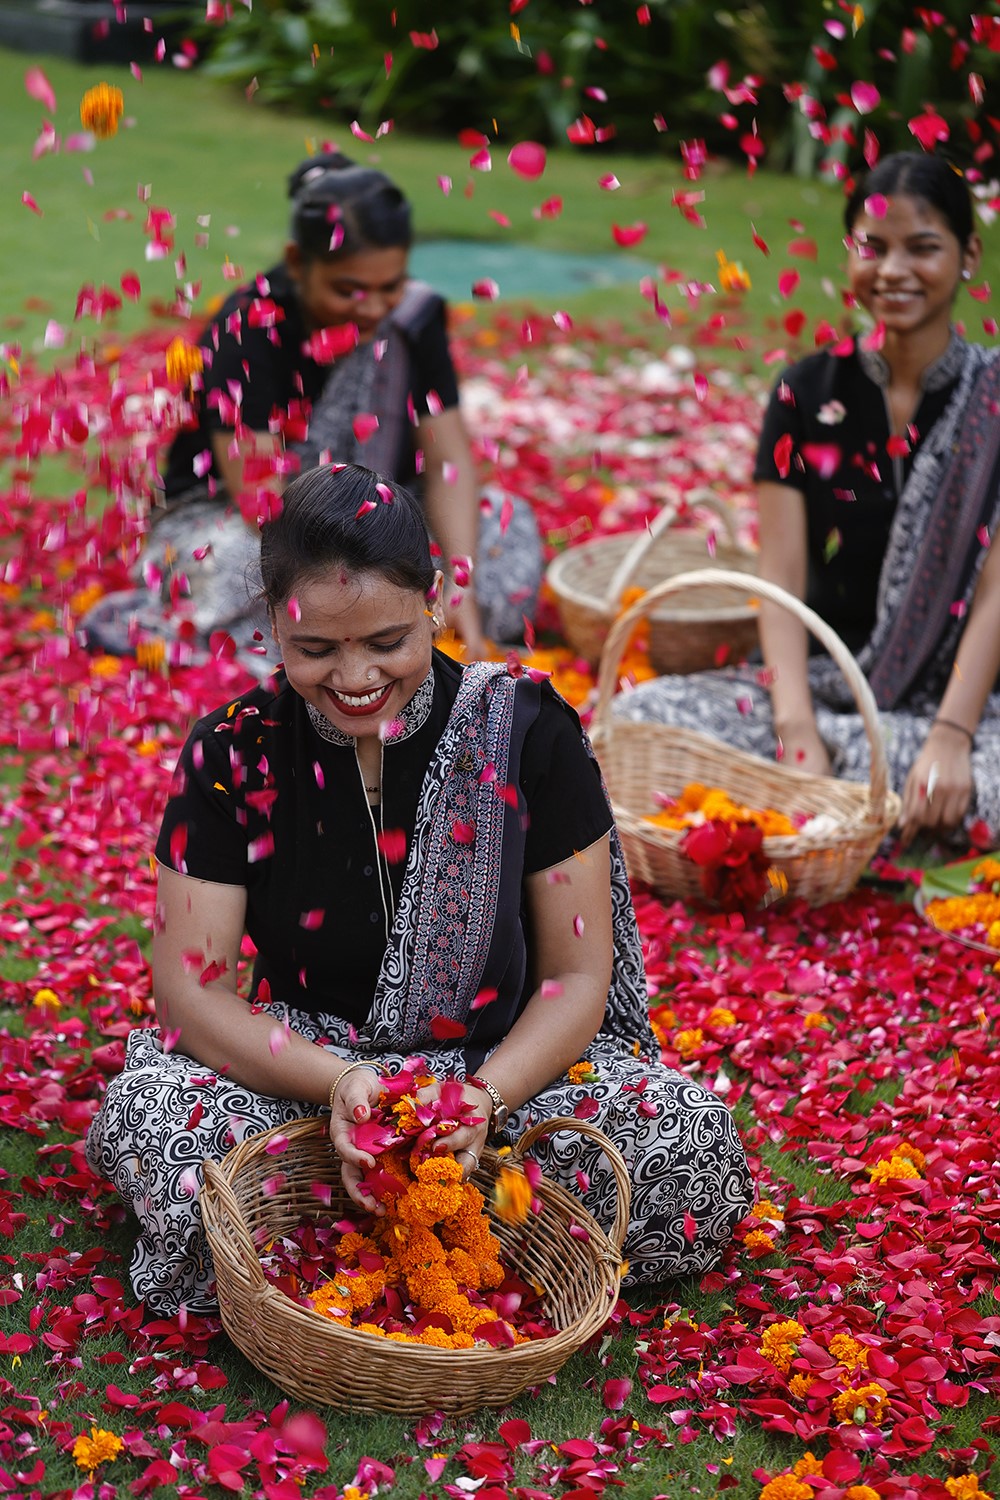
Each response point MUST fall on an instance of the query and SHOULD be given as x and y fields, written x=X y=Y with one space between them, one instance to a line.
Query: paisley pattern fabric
x=457 y=930
x=165 y=1113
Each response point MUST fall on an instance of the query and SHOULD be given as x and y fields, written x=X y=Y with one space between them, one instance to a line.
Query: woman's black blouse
x=261 y=800
x=837 y=420
x=256 y=344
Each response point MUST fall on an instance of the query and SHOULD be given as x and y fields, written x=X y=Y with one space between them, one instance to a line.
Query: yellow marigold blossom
x=848 y=1353
x=183 y=361
x=759 y=1239
x=105 y=666
x=910 y=1153
x=663 y=1021
x=814 y=1018
x=151 y=655
x=698 y=804
x=582 y=1072
x=800 y=1385
x=786 y=1487
x=147 y=747
x=779 y=1343
x=101 y=110
x=861 y=1404
x=42 y=619
x=84 y=599
x=731 y=274
x=807 y=1464
x=897 y=1167
x=987 y=872
x=764 y=1208
x=861 y=1492
x=952 y=913
x=689 y=1042
x=46 y=999
x=965 y=1487
x=511 y=1196
x=351 y=1492
x=720 y=1017
x=101 y=1447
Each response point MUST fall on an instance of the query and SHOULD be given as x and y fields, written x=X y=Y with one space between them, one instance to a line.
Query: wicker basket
x=589 y=581
x=641 y=759
x=325 y=1364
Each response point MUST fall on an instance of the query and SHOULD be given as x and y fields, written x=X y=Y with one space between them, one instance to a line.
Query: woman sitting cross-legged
x=879 y=491
x=403 y=839
x=334 y=355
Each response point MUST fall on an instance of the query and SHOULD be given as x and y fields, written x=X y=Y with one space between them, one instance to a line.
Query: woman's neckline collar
x=940 y=372
x=412 y=717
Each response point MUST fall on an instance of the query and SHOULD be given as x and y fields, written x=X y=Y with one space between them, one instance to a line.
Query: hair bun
x=309 y=172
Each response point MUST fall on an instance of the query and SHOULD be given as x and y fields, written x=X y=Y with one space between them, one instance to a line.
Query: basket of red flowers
x=785 y=831
x=461 y=1294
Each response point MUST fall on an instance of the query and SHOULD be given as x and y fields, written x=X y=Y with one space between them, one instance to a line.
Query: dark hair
x=336 y=202
x=917 y=175
x=346 y=516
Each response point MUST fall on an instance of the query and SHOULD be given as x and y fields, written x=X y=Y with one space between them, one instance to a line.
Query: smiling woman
x=425 y=859
x=878 y=478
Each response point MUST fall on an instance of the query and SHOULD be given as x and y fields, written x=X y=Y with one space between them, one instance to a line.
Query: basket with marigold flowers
x=458 y=1295
x=971 y=914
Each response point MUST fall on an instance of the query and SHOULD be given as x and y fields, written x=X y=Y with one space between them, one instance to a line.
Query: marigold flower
x=689 y=1043
x=786 y=1487
x=759 y=1242
x=183 y=361
x=814 y=1018
x=764 y=1208
x=105 y=666
x=848 y=1352
x=582 y=1072
x=896 y=1168
x=965 y=1487
x=511 y=1196
x=861 y=1404
x=800 y=1385
x=910 y=1153
x=46 y=999
x=861 y=1492
x=84 y=599
x=779 y=1343
x=151 y=655
x=731 y=274
x=101 y=110
x=101 y=1447
x=807 y=1464
x=720 y=1017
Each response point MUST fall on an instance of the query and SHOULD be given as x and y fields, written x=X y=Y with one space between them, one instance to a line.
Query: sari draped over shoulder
x=947 y=512
x=458 y=932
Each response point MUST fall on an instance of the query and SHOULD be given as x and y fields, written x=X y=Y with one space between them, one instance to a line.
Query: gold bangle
x=363 y=1062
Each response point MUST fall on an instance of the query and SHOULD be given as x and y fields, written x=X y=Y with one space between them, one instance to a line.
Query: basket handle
x=219 y=1197
x=618 y=636
x=614 y=1157
x=702 y=498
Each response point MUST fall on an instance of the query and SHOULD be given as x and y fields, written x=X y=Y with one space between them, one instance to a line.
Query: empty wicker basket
x=325 y=1364
x=641 y=759
x=718 y=626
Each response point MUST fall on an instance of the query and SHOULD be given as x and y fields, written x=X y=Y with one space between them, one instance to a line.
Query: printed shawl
x=456 y=965
x=949 y=509
x=372 y=381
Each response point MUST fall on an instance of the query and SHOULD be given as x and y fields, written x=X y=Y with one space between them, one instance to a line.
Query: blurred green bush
x=642 y=73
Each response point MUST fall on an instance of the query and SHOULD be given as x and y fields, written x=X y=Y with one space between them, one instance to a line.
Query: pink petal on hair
x=877 y=206
x=294 y=610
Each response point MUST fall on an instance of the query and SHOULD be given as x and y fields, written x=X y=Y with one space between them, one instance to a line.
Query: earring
x=966 y=275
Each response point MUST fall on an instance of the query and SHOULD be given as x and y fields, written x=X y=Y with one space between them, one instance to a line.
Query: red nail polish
x=361 y=1112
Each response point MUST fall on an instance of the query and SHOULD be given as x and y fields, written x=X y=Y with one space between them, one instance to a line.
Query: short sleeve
x=561 y=782
x=780 y=439
x=202 y=833
x=433 y=368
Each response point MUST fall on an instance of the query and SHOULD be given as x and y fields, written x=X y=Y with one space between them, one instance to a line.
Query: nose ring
x=371 y=673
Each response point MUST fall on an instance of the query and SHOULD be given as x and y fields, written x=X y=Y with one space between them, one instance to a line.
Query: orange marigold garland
x=101 y=110
x=429 y=1269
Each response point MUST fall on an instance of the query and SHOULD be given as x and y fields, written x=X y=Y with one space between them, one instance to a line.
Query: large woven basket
x=641 y=759
x=718 y=626
x=325 y=1364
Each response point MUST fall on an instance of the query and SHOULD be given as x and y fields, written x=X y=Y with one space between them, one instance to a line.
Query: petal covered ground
x=850 y=1343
